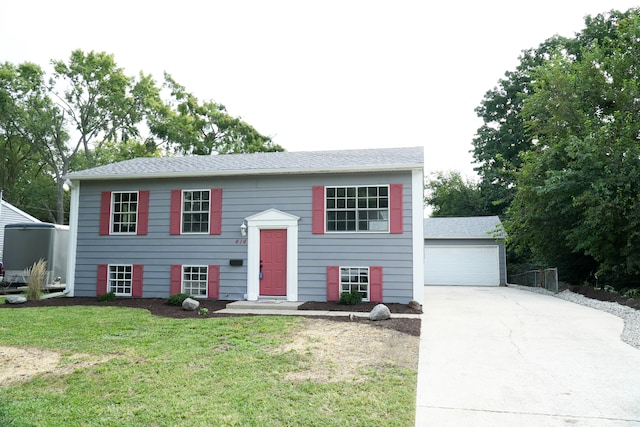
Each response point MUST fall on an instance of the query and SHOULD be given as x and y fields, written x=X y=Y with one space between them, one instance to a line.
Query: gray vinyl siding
x=502 y=256
x=243 y=197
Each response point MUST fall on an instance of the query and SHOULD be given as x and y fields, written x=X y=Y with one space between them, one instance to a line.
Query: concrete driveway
x=509 y=357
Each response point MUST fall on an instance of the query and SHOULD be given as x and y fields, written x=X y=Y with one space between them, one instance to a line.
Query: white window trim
x=206 y=281
x=326 y=216
x=182 y=212
x=368 y=296
x=109 y=289
x=113 y=212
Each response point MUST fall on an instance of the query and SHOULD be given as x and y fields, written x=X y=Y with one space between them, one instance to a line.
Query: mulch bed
x=602 y=295
x=159 y=307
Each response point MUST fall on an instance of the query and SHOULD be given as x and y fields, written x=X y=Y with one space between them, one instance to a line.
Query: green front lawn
x=192 y=372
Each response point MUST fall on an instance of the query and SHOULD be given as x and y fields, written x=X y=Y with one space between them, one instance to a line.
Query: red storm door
x=273 y=262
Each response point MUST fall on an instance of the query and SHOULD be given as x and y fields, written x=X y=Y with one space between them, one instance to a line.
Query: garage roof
x=474 y=227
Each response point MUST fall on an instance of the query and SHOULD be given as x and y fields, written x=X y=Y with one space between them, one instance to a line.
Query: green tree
x=29 y=126
x=89 y=113
x=188 y=126
x=578 y=191
x=98 y=99
x=449 y=194
x=503 y=137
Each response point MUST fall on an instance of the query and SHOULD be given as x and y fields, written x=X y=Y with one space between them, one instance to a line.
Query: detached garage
x=465 y=251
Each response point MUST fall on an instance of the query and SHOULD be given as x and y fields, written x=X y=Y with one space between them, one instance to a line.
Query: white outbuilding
x=464 y=251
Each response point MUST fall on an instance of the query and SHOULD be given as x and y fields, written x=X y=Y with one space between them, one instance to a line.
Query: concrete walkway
x=286 y=308
x=509 y=357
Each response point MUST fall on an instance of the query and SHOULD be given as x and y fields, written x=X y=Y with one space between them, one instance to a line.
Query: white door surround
x=271 y=219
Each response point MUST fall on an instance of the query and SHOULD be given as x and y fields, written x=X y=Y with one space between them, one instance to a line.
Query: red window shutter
x=143 y=213
x=333 y=283
x=317 y=210
x=101 y=280
x=215 y=211
x=136 y=281
x=213 y=284
x=375 y=284
x=105 y=213
x=176 y=212
x=395 y=208
x=175 y=281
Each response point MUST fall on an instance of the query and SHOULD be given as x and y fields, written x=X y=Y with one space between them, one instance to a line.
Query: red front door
x=273 y=262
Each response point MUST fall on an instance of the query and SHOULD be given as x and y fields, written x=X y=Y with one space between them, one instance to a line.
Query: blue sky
x=316 y=74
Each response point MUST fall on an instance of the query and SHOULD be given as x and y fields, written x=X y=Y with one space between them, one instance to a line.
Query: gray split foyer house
x=300 y=226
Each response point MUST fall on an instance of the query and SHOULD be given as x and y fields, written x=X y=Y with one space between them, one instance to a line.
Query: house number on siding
x=241 y=241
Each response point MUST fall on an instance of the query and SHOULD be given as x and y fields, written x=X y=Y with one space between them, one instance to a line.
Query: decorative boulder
x=15 y=299
x=190 y=304
x=380 y=312
x=415 y=305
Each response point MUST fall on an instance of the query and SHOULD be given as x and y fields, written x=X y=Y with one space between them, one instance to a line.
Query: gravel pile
x=631 y=317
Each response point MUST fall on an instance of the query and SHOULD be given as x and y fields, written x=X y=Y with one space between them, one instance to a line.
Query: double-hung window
x=195 y=211
x=194 y=280
x=357 y=208
x=124 y=212
x=120 y=280
x=355 y=279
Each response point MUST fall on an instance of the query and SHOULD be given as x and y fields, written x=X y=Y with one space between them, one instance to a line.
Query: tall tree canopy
x=502 y=138
x=89 y=112
x=578 y=193
x=189 y=126
x=449 y=194
x=559 y=151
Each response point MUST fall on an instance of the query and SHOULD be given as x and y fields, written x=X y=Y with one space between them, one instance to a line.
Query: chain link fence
x=547 y=278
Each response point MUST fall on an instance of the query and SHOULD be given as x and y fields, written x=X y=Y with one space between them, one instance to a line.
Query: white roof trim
x=19 y=211
x=238 y=172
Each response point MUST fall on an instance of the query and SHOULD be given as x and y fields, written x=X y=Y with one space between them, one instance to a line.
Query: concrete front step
x=264 y=304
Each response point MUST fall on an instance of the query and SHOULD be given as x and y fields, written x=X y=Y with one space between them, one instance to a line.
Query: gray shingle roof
x=476 y=227
x=260 y=163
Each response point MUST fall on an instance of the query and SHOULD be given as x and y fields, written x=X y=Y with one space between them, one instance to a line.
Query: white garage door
x=461 y=265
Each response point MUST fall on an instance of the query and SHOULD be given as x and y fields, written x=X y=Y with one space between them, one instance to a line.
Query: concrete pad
x=265 y=304
x=505 y=357
x=268 y=311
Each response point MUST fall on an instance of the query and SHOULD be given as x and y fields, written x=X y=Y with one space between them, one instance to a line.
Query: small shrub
x=610 y=288
x=351 y=298
x=203 y=311
x=36 y=273
x=177 y=299
x=632 y=293
x=109 y=296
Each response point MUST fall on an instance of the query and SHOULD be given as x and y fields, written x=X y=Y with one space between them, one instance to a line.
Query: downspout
x=55 y=294
x=73 y=235
x=417 y=214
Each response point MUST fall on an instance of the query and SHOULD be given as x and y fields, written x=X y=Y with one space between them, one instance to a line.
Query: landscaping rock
x=415 y=305
x=380 y=312
x=190 y=304
x=15 y=299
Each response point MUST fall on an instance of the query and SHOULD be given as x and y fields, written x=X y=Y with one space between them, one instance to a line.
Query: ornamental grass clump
x=36 y=274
